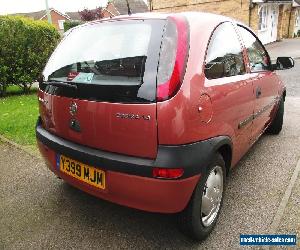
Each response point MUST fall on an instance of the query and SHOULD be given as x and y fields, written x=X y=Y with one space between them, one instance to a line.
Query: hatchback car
x=152 y=111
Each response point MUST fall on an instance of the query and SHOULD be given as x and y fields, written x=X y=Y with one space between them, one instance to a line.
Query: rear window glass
x=116 y=58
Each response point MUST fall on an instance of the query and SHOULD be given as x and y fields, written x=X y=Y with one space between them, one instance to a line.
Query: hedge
x=70 y=24
x=25 y=46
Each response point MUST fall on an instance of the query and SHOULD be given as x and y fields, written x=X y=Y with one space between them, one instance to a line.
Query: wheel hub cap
x=212 y=196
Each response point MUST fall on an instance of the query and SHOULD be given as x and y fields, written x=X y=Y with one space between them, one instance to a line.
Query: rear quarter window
x=224 y=56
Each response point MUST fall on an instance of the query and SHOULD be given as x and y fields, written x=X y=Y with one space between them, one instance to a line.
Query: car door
x=228 y=86
x=265 y=86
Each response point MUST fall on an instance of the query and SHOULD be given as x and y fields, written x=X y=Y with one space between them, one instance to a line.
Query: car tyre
x=194 y=220
x=276 y=125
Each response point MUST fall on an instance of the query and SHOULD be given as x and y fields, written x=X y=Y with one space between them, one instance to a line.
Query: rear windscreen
x=111 y=61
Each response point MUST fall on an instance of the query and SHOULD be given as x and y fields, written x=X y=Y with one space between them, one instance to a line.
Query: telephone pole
x=48 y=12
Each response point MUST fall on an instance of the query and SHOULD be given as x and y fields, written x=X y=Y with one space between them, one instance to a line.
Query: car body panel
x=106 y=126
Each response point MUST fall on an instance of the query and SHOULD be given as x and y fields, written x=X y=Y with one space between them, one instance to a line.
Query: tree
x=90 y=15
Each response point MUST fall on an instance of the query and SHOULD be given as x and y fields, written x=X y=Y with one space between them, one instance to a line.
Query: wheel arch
x=196 y=157
x=284 y=94
x=226 y=152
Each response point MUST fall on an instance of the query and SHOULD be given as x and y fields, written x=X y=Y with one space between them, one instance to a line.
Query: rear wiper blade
x=59 y=84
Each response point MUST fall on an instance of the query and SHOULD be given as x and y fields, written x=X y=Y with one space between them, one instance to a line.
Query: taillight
x=173 y=57
x=167 y=173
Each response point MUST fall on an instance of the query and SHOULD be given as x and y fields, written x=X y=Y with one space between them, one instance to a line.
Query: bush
x=25 y=46
x=70 y=24
x=90 y=15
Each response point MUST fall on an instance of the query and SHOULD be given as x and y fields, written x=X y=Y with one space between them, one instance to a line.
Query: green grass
x=18 y=115
x=16 y=90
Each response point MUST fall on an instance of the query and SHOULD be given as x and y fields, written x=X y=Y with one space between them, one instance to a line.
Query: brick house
x=57 y=17
x=116 y=8
x=271 y=19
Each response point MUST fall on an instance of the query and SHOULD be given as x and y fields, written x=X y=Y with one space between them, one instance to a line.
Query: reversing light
x=167 y=173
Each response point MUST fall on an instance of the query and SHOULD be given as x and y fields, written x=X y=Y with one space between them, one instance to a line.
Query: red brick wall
x=110 y=11
x=55 y=17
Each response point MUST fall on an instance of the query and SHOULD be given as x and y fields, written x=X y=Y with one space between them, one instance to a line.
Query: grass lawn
x=18 y=116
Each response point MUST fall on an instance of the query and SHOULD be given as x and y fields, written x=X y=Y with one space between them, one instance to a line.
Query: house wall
x=285 y=12
x=238 y=9
x=55 y=18
x=110 y=11
x=292 y=23
x=287 y=21
x=254 y=18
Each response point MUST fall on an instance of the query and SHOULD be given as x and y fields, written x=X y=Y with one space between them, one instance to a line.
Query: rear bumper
x=144 y=193
x=129 y=179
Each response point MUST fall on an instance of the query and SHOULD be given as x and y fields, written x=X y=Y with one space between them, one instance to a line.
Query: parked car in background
x=152 y=111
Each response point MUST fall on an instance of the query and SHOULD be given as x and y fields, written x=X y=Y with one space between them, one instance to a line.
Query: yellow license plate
x=82 y=172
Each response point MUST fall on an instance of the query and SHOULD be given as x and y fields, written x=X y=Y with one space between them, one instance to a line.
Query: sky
x=24 y=6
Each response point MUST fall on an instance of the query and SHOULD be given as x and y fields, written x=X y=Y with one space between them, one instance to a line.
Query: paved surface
x=39 y=211
x=287 y=47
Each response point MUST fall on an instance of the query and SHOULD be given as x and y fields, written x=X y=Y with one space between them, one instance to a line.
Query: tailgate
x=99 y=86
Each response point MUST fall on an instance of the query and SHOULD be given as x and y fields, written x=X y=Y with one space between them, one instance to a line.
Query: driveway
x=40 y=211
x=287 y=47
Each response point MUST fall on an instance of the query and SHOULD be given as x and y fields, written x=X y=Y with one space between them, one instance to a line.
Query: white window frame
x=263 y=18
x=61 y=24
x=297 y=18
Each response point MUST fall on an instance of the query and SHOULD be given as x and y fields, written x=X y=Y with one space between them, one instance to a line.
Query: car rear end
x=98 y=111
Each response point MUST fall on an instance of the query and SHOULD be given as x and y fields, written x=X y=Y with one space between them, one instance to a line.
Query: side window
x=224 y=54
x=258 y=56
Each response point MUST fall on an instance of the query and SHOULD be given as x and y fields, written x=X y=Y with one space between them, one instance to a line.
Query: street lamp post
x=48 y=12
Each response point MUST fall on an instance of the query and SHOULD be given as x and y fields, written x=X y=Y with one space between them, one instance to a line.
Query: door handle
x=258 y=92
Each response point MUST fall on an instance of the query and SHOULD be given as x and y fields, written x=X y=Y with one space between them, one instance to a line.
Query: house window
x=263 y=14
x=297 y=18
x=61 y=24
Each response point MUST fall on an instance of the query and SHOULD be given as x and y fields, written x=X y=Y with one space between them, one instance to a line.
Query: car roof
x=191 y=16
x=204 y=21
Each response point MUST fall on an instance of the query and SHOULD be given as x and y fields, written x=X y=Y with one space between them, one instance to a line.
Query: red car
x=152 y=111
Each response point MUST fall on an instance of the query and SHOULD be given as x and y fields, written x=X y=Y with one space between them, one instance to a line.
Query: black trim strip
x=194 y=158
x=94 y=157
x=246 y=121
x=257 y=114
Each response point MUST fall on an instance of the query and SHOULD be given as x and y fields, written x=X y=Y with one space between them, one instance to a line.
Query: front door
x=265 y=90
